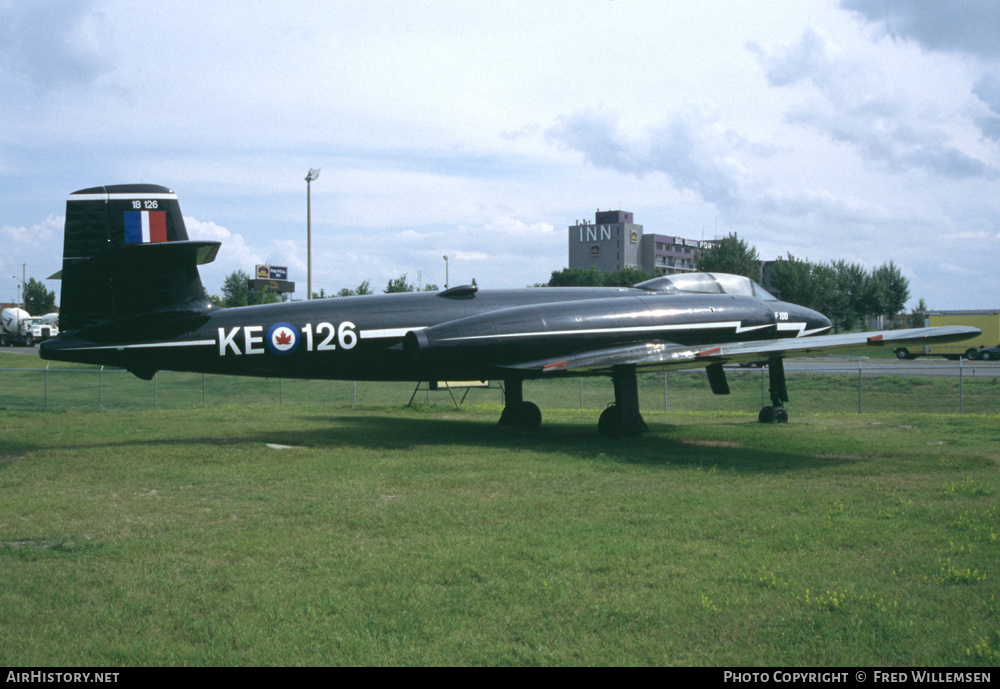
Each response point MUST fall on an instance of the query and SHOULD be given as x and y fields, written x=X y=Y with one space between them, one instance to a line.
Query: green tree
x=852 y=285
x=399 y=284
x=626 y=277
x=792 y=280
x=575 y=277
x=893 y=289
x=591 y=277
x=38 y=301
x=730 y=255
x=359 y=291
x=808 y=284
x=920 y=313
x=236 y=291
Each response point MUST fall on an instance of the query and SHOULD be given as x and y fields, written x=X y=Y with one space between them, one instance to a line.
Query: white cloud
x=43 y=234
x=863 y=108
x=952 y=269
x=692 y=149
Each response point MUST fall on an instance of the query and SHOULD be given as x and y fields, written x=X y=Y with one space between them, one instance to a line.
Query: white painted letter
x=227 y=341
x=249 y=340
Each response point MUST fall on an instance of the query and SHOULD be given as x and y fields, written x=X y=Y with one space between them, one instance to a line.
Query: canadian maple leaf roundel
x=282 y=338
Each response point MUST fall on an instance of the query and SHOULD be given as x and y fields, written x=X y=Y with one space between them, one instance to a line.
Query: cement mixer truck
x=18 y=327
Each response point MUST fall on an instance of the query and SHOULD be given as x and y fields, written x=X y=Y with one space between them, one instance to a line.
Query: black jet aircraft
x=132 y=297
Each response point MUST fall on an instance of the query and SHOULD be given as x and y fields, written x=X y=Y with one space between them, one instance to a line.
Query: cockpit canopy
x=707 y=283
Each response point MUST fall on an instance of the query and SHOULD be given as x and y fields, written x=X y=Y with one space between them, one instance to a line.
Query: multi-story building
x=613 y=242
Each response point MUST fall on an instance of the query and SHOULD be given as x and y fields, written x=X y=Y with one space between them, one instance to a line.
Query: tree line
x=848 y=293
x=236 y=291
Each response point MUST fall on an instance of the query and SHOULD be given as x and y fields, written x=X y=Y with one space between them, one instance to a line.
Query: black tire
x=766 y=415
x=521 y=415
x=609 y=423
x=971 y=354
x=531 y=415
x=985 y=356
x=903 y=353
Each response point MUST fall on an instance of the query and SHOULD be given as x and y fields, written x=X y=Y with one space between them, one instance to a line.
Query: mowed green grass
x=393 y=536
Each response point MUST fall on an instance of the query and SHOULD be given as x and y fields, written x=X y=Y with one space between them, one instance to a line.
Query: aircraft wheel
x=773 y=415
x=521 y=415
x=609 y=423
x=612 y=424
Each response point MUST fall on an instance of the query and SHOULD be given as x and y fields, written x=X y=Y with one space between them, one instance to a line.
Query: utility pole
x=313 y=174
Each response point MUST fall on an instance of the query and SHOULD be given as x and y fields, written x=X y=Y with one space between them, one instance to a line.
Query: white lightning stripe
x=148 y=345
x=388 y=332
x=737 y=325
x=131 y=196
x=800 y=329
x=792 y=327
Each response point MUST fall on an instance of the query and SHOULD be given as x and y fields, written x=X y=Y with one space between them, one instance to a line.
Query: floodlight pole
x=445 y=271
x=20 y=287
x=313 y=174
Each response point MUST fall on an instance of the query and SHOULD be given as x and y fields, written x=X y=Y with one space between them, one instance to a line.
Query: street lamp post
x=445 y=271
x=313 y=174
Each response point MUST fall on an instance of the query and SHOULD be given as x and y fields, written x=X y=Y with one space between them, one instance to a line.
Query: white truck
x=18 y=327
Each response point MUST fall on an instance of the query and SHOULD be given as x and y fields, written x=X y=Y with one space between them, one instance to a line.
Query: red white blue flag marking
x=145 y=226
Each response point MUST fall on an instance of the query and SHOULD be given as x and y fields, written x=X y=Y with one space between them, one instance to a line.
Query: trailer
x=988 y=321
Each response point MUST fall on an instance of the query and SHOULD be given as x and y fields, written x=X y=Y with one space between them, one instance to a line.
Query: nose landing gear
x=779 y=393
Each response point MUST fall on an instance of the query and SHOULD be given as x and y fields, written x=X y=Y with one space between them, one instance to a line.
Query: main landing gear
x=620 y=419
x=623 y=418
x=516 y=412
x=779 y=393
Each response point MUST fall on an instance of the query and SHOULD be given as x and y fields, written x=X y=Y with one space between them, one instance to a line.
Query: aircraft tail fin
x=126 y=253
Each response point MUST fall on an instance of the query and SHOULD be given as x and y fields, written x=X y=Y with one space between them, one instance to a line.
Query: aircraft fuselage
x=471 y=335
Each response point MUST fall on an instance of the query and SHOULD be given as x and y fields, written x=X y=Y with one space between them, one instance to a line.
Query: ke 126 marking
x=284 y=338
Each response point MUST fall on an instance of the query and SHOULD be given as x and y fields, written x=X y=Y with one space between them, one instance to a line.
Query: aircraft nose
x=815 y=321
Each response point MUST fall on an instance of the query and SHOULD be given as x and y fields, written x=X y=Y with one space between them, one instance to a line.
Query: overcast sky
x=865 y=130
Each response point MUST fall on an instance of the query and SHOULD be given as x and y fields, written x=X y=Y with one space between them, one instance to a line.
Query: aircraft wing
x=662 y=356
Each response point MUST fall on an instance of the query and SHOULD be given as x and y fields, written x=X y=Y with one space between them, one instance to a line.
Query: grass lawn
x=319 y=534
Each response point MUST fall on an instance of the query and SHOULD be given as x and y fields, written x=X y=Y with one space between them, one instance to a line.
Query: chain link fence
x=846 y=387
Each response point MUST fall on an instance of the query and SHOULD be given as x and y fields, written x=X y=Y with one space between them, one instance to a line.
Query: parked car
x=987 y=354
